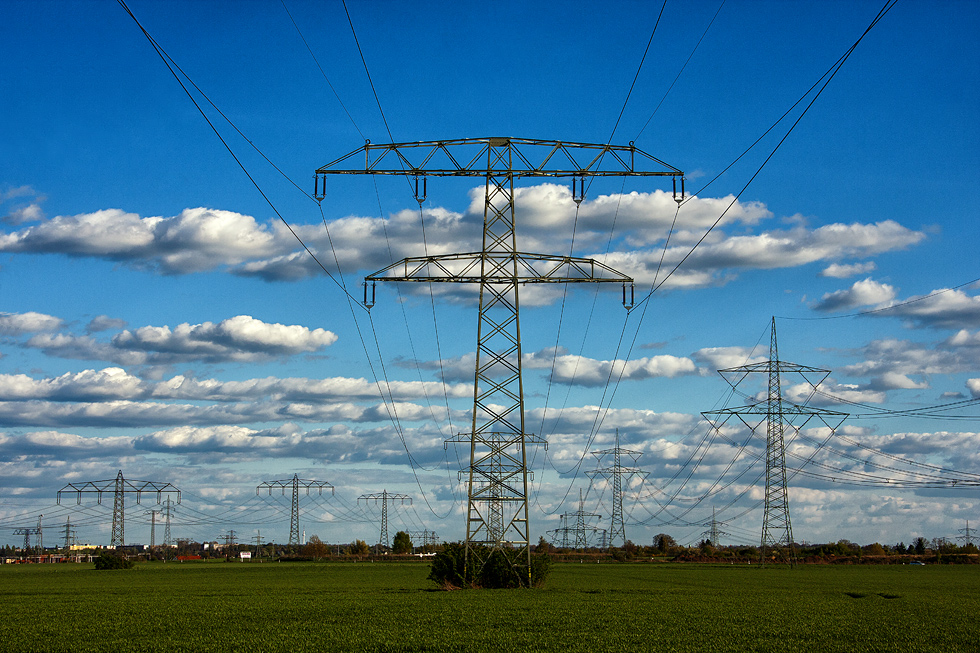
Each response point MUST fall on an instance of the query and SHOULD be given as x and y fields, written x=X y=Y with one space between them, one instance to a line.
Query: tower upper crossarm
x=499 y=268
x=467 y=157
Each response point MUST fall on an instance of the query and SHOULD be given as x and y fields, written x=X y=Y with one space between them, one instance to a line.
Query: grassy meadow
x=268 y=607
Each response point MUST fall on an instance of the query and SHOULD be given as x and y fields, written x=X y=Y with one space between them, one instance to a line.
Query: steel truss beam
x=616 y=473
x=385 y=497
x=294 y=484
x=777 y=527
x=120 y=487
x=497 y=475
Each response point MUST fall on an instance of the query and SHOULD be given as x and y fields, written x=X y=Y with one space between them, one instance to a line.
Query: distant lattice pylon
x=616 y=473
x=295 y=484
x=384 y=498
x=777 y=414
x=120 y=487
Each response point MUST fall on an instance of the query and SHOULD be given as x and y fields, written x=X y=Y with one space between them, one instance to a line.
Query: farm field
x=271 y=607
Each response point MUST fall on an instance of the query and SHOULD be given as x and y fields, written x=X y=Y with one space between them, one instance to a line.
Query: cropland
x=268 y=607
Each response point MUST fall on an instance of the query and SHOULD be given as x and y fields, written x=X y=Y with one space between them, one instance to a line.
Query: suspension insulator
x=420 y=196
x=677 y=199
x=578 y=188
x=369 y=295
x=319 y=187
x=628 y=297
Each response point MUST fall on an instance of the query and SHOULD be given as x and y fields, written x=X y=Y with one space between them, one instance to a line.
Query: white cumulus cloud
x=862 y=293
x=14 y=324
x=843 y=271
x=242 y=338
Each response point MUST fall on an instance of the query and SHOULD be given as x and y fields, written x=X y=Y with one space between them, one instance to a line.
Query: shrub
x=107 y=560
x=502 y=568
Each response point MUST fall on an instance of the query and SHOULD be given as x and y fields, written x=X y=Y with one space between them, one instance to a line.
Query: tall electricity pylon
x=777 y=414
x=385 y=498
x=616 y=473
x=168 y=543
x=576 y=536
x=967 y=537
x=497 y=475
x=425 y=536
x=69 y=534
x=153 y=525
x=713 y=534
x=120 y=487
x=294 y=484
x=33 y=530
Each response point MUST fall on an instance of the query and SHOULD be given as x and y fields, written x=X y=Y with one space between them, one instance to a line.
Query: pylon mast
x=33 y=530
x=153 y=525
x=168 y=511
x=497 y=475
x=616 y=474
x=967 y=537
x=777 y=529
x=69 y=533
x=294 y=484
x=120 y=487
x=385 y=497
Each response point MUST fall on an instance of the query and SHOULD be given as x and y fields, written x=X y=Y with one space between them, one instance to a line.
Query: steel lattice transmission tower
x=70 y=538
x=120 y=487
x=967 y=537
x=153 y=525
x=497 y=475
x=776 y=413
x=168 y=543
x=714 y=533
x=576 y=536
x=385 y=497
x=294 y=484
x=32 y=530
x=425 y=536
x=617 y=473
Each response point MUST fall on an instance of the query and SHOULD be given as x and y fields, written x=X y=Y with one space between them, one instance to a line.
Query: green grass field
x=392 y=607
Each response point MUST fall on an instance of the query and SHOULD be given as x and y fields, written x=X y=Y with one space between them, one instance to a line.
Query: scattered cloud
x=15 y=324
x=940 y=309
x=58 y=445
x=843 y=271
x=197 y=240
x=589 y=372
x=893 y=358
x=239 y=339
x=202 y=239
x=973 y=385
x=15 y=192
x=721 y=358
x=964 y=338
x=104 y=323
x=862 y=293
x=30 y=213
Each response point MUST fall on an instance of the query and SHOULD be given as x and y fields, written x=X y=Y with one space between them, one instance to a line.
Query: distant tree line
x=665 y=547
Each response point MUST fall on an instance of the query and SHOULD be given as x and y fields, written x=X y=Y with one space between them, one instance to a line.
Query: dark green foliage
x=448 y=566
x=315 y=548
x=402 y=543
x=664 y=543
x=501 y=569
x=358 y=548
x=619 y=555
x=108 y=560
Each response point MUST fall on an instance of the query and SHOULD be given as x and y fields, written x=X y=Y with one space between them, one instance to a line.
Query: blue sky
x=156 y=317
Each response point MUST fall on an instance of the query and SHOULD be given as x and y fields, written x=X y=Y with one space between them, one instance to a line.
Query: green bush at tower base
x=107 y=560
x=501 y=569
